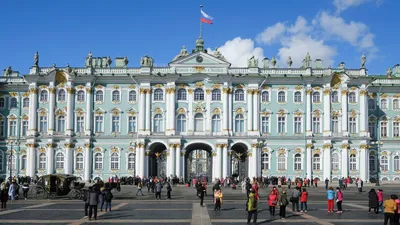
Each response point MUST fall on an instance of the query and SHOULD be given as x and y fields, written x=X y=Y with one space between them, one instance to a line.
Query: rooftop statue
x=252 y=62
x=99 y=62
x=126 y=61
x=8 y=71
x=182 y=53
x=363 y=60
x=36 y=59
x=273 y=62
x=218 y=55
x=307 y=61
x=108 y=62
x=89 y=60
x=265 y=63
x=146 y=61
x=289 y=62
x=68 y=69
x=389 y=72
x=342 y=65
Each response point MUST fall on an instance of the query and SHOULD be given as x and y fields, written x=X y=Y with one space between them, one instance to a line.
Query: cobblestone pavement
x=184 y=209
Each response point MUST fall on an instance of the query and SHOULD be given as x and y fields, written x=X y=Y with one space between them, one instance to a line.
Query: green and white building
x=200 y=116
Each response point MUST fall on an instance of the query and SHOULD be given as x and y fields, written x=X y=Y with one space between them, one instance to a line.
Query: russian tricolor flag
x=206 y=18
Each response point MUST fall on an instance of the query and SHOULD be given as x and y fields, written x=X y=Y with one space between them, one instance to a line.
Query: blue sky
x=65 y=31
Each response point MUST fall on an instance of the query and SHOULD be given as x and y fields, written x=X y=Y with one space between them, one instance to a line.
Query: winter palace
x=199 y=116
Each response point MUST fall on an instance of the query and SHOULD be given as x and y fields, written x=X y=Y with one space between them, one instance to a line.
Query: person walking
x=108 y=196
x=3 y=196
x=373 y=201
x=390 y=210
x=25 y=189
x=252 y=207
x=93 y=202
x=360 y=184
x=101 y=198
x=158 y=190
x=331 y=199
x=295 y=199
x=86 y=200
x=283 y=202
x=217 y=200
x=380 y=200
x=326 y=183
x=12 y=190
x=397 y=213
x=169 y=189
x=272 y=202
x=200 y=192
x=140 y=186
x=339 y=199
x=303 y=200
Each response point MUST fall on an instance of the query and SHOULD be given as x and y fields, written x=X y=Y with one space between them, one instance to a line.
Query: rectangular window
x=265 y=124
x=1 y=128
x=13 y=128
x=281 y=163
x=80 y=124
x=297 y=125
x=352 y=125
x=43 y=124
x=316 y=125
x=115 y=124
x=371 y=163
x=396 y=129
x=131 y=124
x=371 y=128
x=265 y=162
x=24 y=127
x=281 y=124
x=316 y=163
x=384 y=132
x=297 y=163
x=99 y=124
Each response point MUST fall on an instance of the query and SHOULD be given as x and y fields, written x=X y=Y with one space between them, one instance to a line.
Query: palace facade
x=200 y=116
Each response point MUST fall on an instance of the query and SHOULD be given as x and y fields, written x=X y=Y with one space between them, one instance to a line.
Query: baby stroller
x=217 y=204
x=233 y=186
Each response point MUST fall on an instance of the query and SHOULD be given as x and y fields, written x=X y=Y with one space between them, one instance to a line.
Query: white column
x=363 y=113
x=344 y=113
x=148 y=110
x=70 y=109
x=146 y=163
x=142 y=112
x=327 y=161
x=33 y=99
x=190 y=112
x=214 y=165
x=345 y=158
x=52 y=104
x=31 y=160
x=309 y=160
x=88 y=164
x=225 y=162
x=171 y=160
x=68 y=159
x=50 y=158
x=230 y=111
x=249 y=110
x=137 y=161
x=307 y=100
x=178 y=160
x=327 y=113
x=363 y=167
x=256 y=111
x=253 y=161
x=172 y=111
x=167 y=111
x=141 y=155
x=218 y=166
x=89 y=109
x=208 y=110
x=225 y=111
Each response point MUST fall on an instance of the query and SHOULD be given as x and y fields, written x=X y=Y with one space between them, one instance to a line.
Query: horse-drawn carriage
x=52 y=185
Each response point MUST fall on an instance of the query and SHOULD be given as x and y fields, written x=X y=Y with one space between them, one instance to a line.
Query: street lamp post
x=10 y=165
x=239 y=156
x=378 y=143
x=158 y=154
x=260 y=145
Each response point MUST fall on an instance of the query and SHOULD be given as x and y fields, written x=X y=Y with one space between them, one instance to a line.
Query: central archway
x=198 y=161
x=239 y=166
x=157 y=160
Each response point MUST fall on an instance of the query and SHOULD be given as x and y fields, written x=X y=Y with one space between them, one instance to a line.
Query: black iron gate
x=199 y=164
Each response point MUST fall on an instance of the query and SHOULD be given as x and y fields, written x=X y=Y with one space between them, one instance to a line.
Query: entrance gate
x=199 y=164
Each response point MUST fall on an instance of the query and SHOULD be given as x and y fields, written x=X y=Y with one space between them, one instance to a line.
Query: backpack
x=108 y=196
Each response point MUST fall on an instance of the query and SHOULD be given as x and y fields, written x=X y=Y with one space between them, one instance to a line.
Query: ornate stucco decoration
x=317 y=88
x=265 y=150
x=265 y=113
x=79 y=150
x=199 y=69
x=158 y=110
x=42 y=150
x=281 y=151
x=181 y=111
x=297 y=150
x=80 y=112
x=299 y=87
x=353 y=113
x=42 y=112
x=182 y=85
x=217 y=111
x=33 y=90
x=80 y=87
x=371 y=95
x=24 y=117
x=327 y=146
x=12 y=117
x=240 y=86
x=316 y=151
x=216 y=86
x=25 y=94
x=190 y=91
x=97 y=149
x=282 y=88
x=363 y=92
x=13 y=94
x=327 y=91
x=199 y=84
x=353 y=88
x=298 y=113
x=132 y=86
x=364 y=146
x=345 y=146
x=132 y=113
x=310 y=145
x=99 y=86
x=239 y=111
x=353 y=151
x=281 y=112
x=336 y=87
x=159 y=85
x=335 y=113
x=384 y=95
x=115 y=112
x=114 y=149
x=266 y=87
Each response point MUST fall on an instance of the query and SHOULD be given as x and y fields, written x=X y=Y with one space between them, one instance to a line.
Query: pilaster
x=178 y=158
x=327 y=112
x=230 y=111
x=68 y=158
x=172 y=110
x=253 y=160
x=309 y=147
x=88 y=164
x=52 y=104
x=190 y=112
x=208 y=111
x=171 y=160
x=344 y=113
x=31 y=160
x=89 y=109
x=142 y=164
x=345 y=159
x=327 y=159
x=142 y=111
x=249 y=110
x=225 y=111
x=363 y=167
x=256 y=110
x=363 y=113
x=148 y=112
x=218 y=164
x=309 y=112
x=70 y=109
x=137 y=160
x=50 y=158
x=33 y=98
x=225 y=162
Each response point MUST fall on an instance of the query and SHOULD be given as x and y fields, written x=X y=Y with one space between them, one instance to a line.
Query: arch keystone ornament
x=316 y=151
x=345 y=146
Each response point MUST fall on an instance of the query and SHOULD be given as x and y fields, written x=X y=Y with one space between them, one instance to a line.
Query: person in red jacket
x=303 y=200
x=272 y=202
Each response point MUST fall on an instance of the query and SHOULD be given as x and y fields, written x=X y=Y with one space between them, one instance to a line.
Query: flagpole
x=201 y=24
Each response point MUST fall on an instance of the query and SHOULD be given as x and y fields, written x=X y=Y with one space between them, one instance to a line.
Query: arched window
x=23 y=162
x=98 y=161
x=132 y=96
x=265 y=96
x=216 y=123
x=99 y=96
x=265 y=124
x=384 y=104
x=199 y=94
x=297 y=162
x=239 y=123
x=131 y=161
x=79 y=161
x=158 y=124
x=2 y=103
x=13 y=103
x=316 y=96
x=239 y=95
x=335 y=125
x=281 y=162
x=216 y=95
x=297 y=97
x=265 y=161
x=396 y=163
x=335 y=161
x=198 y=122
x=181 y=123
x=182 y=95
x=115 y=96
x=353 y=162
x=334 y=97
x=372 y=166
x=352 y=97
x=80 y=96
x=114 y=161
x=42 y=161
x=61 y=124
x=25 y=103
x=60 y=161
x=61 y=95
x=316 y=162
x=158 y=95
x=396 y=105
x=384 y=163
x=281 y=96
x=43 y=96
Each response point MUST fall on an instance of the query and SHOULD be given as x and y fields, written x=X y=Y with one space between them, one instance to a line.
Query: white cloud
x=238 y=51
x=272 y=33
x=342 y=5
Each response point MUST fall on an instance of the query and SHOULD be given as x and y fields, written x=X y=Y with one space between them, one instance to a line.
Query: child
x=107 y=199
x=217 y=199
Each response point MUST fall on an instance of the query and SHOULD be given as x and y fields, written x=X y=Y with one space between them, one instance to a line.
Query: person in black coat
x=200 y=191
x=373 y=201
